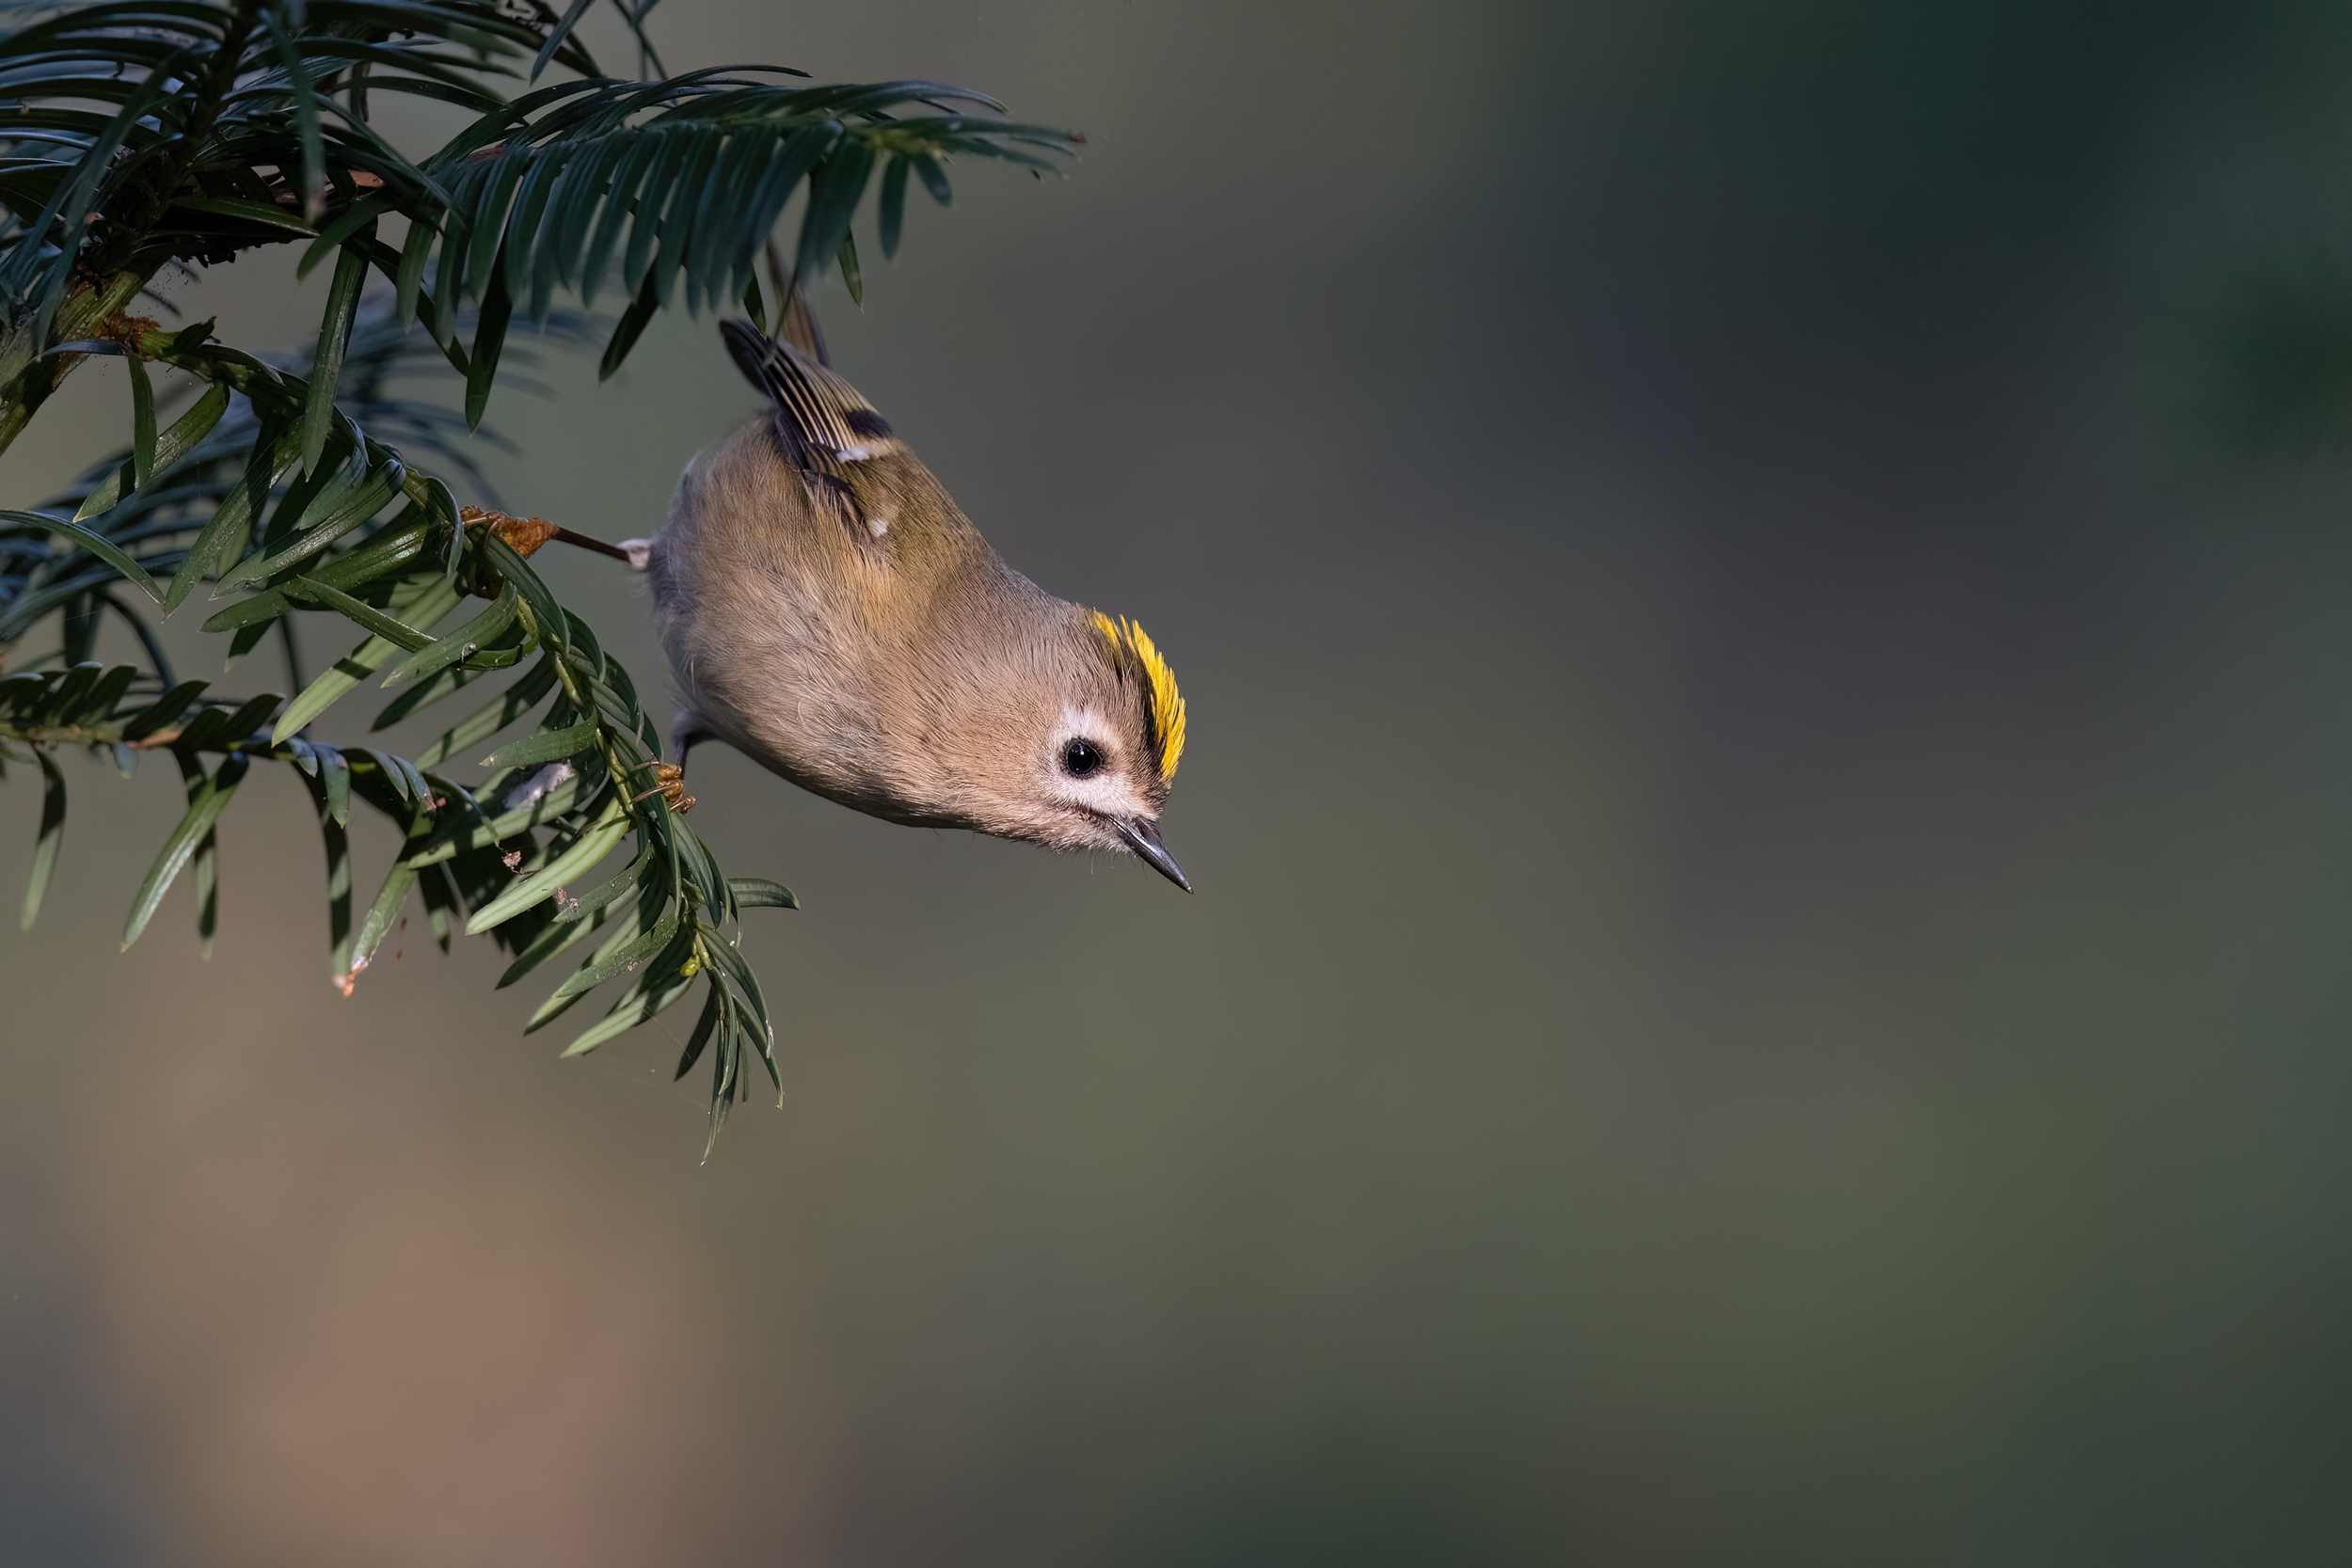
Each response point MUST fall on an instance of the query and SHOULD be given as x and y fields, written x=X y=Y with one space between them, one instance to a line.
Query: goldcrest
x=828 y=611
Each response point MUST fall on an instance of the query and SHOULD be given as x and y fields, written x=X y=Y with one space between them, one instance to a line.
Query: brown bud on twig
x=523 y=535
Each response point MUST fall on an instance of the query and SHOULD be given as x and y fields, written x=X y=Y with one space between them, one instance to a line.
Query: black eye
x=1081 y=759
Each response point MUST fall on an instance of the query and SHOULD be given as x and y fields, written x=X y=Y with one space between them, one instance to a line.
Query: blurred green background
x=1762 y=593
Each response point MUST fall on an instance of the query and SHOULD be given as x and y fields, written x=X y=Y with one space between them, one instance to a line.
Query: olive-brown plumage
x=829 y=610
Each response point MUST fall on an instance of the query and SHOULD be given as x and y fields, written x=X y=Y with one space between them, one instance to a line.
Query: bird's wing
x=817 y=412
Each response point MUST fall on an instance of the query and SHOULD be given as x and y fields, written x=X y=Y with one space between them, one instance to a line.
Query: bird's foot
x=670 y=783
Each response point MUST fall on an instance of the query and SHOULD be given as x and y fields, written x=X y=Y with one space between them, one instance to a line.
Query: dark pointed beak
x=1145 y=838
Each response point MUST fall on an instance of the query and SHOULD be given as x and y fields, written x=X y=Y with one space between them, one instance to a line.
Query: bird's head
x=1093 y=754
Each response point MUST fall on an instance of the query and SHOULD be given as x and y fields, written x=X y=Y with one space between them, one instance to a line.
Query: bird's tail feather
x=797 y=325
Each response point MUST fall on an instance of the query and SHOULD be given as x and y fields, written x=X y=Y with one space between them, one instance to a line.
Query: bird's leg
x=671 y=786
x=524 y=536
x=670 y=783
x=669 y=777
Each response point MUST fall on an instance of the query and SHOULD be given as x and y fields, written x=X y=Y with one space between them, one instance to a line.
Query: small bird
x=829 y=612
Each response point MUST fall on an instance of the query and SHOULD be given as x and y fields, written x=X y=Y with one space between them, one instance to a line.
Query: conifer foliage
x=153 y=135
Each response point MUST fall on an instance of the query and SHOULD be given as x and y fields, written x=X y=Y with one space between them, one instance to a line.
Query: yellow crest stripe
x=1166 y=705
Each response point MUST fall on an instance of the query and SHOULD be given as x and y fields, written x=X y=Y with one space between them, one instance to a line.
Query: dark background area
x=1761 y=589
